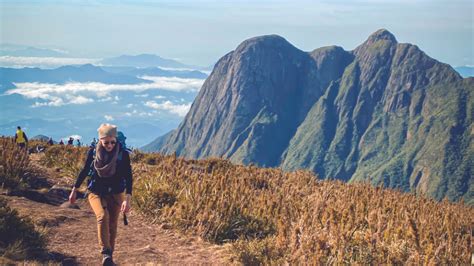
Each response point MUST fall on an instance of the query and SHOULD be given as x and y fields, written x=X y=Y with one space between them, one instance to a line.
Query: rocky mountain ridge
x=385 y=113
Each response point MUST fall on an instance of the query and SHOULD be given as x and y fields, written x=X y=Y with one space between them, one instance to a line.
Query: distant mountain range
x=142 y=113
x=43 y=138
x=145 y=61
x=61 y=75
x=384 y=113
x=89 y=73
x=28 y=56
x=28 y=51
x=155 y=71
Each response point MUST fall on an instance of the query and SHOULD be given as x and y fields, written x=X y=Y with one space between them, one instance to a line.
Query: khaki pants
x=107 y=211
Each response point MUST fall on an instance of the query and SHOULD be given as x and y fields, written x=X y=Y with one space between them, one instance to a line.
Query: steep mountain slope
x=385 y=113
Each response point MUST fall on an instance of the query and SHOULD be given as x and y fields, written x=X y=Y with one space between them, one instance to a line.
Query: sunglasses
x=111 y=142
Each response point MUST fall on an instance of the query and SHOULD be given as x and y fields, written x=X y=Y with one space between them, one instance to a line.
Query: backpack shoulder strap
x=91 y=168
x=121 y=151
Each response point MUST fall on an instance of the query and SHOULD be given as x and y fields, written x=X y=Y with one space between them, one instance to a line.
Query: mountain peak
x=382 y=34
x=382 y=39
x=88 y=66
x=264 y=40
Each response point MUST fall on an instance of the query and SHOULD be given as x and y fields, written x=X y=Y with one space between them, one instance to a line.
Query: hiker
x=93 y=143
x=61 y=142
x=20 y=138
x=108 y=166
x=78 y=143
x=50 y=141
x=70 y=142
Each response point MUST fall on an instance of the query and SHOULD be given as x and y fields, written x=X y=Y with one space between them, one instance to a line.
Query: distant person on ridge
x=93 y=143
x=50 y=141
x=61 y=142
x=110 y=171
x=20 y=138
x=78 y=143
x=70 y=142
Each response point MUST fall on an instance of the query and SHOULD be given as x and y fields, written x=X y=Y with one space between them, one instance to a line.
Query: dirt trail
x=72 y=235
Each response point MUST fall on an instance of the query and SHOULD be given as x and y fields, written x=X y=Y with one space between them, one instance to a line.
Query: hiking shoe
x=107 y=260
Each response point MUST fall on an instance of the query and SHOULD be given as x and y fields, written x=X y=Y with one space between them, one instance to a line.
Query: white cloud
x=130 y=105
x=106 y=99
x=80 y=100
x=57 y=101
x=108 y=117
x=136 y=113
x=45 y=62
x=70 y=93
x=145 y=114
x=142 y=95
x=175 y=84
x=179 y=109
x=53 y=101
x=72 y=136
x=177 y=68
x=160 y=97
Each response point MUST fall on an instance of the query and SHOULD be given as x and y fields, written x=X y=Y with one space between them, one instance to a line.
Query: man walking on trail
x=20 y=138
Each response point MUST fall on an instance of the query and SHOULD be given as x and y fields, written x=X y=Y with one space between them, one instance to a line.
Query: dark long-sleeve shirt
x=120 y=181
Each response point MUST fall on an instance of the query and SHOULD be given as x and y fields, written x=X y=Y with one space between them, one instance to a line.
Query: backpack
x=121 y=139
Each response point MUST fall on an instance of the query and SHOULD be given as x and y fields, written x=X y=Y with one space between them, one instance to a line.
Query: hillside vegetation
x=20 y=238
x=271 y=216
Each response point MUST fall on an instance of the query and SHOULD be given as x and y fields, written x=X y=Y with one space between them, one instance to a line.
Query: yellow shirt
x=19 y=136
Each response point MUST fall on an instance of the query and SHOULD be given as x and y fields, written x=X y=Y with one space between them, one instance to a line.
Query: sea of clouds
x=55 y=95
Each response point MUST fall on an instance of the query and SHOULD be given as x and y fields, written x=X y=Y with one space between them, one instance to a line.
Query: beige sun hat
x=107 y=130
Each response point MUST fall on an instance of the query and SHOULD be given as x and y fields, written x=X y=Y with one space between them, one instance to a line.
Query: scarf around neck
x=105 y=162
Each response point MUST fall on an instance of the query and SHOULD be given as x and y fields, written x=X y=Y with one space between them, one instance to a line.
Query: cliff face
x=385 y=113
x=250 y=106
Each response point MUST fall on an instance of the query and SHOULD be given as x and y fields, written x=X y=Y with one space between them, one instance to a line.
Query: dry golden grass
x=14 y=163
x=274 y=217
x=69 y=158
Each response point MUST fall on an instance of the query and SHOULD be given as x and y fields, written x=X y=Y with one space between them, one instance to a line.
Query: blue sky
x=200 y=32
